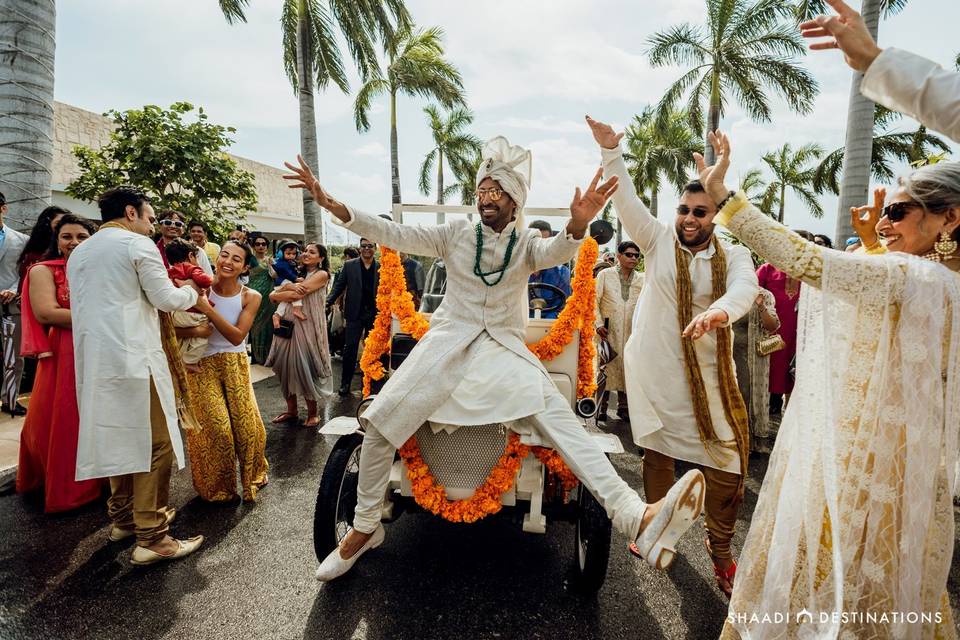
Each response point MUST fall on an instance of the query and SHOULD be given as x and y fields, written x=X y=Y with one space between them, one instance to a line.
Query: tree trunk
x=441 y=217
x=783 y=202
x=619 y=231
x=27 y=47
x=394 y=158
x=654 y=201
x=713 y=121
x=855 y=184
x=312 y=213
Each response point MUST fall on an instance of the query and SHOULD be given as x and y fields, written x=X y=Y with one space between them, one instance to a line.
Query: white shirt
x=918 y=87
x=661 y=409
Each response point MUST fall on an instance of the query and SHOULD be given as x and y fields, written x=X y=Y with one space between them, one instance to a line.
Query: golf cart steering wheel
x=549 y=287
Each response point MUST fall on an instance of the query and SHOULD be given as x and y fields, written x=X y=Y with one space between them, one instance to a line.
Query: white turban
x=510 y=166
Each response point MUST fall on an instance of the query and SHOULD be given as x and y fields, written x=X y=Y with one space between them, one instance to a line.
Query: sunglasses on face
x=631 y=254
x=368 y=246
x=172 y=223
x=698 y=212
x=259 y=244
x=898 y=210
x=492 y=194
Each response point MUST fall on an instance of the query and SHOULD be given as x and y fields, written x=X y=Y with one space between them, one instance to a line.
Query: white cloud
x=373 y=149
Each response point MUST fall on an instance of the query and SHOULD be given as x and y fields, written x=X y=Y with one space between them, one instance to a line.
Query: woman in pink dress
x=48 y=441
x=786 y=293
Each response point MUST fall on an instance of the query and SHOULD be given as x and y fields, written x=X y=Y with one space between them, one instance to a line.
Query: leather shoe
x=681 y=507
x=17 y=411
x=142 y=555
x=118 y=534
x=334 y=565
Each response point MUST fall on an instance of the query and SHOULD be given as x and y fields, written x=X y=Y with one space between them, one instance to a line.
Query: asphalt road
x=60 y=578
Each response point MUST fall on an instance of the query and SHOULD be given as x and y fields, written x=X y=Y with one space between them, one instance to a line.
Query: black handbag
x=285 y=330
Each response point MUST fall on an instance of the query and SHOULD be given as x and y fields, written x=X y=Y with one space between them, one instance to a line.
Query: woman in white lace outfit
x=852 y=536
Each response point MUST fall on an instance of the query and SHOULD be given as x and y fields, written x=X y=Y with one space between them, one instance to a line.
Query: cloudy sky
x=531 y=69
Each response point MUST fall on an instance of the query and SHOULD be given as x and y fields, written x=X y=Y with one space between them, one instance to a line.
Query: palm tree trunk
x=27 y=47
x=713 y=120
x=394 y=158
x=312 y=213
x=783 y=202
x=654 y=201
x=441 y=217
x=619 y=231
x=855 y=184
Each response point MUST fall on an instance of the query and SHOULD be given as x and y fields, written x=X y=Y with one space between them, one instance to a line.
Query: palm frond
x=370 y=91
x=325 y=51
x=426 y=171
x=680 y=45
x=233 y=10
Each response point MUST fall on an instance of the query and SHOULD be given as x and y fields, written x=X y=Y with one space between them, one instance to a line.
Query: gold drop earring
x=945 y=246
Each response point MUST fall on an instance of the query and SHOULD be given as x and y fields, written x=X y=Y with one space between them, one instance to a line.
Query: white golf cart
x=461 y=460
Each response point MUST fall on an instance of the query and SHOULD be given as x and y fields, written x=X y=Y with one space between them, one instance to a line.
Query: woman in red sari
x=48 y=441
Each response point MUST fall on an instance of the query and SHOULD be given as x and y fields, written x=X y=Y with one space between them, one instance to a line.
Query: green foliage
x=889 y=146
x=744 y=50
x=416 y=66
x=808 y=9
x=233 y=10
x=454 y=148
x=181 y=165
x=792 y=171
x=654 y=151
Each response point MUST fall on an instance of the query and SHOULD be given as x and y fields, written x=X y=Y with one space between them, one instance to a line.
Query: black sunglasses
x=898 y=210
x=368 y=246
x=260 y=244
x=698 y=212
x=631 y=254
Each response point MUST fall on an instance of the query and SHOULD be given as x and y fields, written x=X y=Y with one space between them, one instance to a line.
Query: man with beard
x=473 y=368
x=680 y=378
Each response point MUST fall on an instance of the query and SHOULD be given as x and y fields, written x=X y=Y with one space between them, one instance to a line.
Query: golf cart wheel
x=337 y=495
x=591 y=550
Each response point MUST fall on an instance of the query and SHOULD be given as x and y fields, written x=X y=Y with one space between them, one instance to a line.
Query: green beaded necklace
x=477 y=271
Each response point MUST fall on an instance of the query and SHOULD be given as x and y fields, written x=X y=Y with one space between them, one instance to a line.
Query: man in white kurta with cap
x=129 y=430
x=684 y=400
x=472 y=367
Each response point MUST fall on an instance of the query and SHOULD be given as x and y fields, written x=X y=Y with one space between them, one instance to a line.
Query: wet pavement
x=61 y=579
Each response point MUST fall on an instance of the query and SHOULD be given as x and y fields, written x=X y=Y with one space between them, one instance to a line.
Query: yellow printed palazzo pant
x=231 y=430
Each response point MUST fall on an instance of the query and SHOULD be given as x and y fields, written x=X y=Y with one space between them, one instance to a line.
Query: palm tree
x=858 y=159
x=28 y=43
x=415 y=66
x=743 y=51
x=791 y=170
x=655 y=151
x=887 y=146
x=312 y=57
x=755 y=188
x=452 y=143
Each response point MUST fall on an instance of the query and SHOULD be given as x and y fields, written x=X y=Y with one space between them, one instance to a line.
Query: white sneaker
x=657 y=542
x=334 y=566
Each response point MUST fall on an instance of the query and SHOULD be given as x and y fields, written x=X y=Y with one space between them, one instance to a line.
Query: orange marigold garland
x=393 y=299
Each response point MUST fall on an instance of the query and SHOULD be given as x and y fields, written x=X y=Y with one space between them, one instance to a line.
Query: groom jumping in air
x=472 y=367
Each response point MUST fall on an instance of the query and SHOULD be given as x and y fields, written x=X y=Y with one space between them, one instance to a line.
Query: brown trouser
x=720 y=503
x=139 y=500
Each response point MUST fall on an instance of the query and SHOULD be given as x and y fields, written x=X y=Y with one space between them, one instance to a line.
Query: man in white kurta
x=472 y=367
x=129 y=430
x=618 y=291
x=661 y=406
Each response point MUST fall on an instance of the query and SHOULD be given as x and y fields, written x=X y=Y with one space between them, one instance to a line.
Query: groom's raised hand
x=302 y=178
x=585 y=206
x=604 y=134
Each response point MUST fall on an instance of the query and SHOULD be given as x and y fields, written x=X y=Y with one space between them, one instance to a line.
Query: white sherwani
x=918 y=87
x=611 y=306
x=117 y=283
x=661 y=410
x=477 y=334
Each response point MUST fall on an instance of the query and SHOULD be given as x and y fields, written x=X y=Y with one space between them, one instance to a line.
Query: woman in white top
x=222 y=395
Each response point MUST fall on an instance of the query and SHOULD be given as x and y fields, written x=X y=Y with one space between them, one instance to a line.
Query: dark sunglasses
x=368 y=246
x=259 y=244
x=898 y=210
x=631 y=254
x=698 y=212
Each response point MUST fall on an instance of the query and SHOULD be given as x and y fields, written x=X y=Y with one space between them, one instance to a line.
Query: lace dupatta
x=866 y=452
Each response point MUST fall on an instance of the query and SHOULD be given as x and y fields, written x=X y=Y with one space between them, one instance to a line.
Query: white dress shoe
x=142 y=555
x=118 y=534
x=334 y=566
x=657 y=542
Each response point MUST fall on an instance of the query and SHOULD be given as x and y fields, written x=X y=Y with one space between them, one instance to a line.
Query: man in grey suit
x=11 y=244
